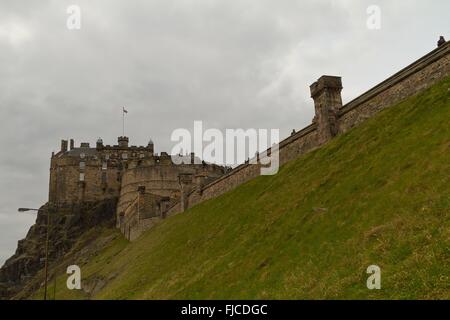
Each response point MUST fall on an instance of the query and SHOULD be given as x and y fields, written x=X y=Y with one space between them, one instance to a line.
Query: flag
x=124 y=111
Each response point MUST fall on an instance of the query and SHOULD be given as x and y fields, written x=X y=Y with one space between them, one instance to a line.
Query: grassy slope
x=379 y=194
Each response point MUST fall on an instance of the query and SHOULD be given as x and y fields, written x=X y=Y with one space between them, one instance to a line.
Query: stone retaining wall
x=332 y=118
x=418 y=76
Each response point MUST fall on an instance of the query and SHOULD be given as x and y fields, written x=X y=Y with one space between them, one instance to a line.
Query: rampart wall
x=160 y=179
x=331 y=119
x=414 y=78
x=418 y=76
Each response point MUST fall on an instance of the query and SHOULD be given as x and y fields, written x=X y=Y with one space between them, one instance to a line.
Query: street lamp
x=46 y=245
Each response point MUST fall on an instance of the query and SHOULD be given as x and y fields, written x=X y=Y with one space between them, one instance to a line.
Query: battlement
x=122 y=145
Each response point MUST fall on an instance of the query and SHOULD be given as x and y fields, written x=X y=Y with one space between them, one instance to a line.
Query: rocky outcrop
x=67 y=223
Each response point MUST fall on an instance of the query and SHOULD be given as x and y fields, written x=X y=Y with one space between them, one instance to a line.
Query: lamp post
x=46 y=245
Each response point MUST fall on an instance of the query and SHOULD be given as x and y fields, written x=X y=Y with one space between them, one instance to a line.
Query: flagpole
x=123 y=122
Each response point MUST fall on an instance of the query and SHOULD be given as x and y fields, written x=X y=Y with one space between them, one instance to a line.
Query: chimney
x=63 y=145
x=326 y=93
x=72 y=144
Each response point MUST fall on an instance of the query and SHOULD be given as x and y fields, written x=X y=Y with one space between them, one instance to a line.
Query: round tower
x=123 y=142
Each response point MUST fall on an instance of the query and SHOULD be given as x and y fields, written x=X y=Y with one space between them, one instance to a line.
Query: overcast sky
x=231 y=64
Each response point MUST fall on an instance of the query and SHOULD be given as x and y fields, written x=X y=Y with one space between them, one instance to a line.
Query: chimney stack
x=63 y=145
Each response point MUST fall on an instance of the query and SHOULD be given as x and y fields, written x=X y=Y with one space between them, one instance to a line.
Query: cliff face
x=66 y=225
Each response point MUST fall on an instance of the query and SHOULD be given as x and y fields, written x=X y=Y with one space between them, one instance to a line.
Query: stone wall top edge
x=300 y=134
x=414 y=67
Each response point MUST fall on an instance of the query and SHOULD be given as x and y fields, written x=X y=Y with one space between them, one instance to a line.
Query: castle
x=140 y=187
x=150 y=187
x=135 y=175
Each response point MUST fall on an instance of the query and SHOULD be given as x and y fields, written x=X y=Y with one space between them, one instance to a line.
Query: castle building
x=88 y=174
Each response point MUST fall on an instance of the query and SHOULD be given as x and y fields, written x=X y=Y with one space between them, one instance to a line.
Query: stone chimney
x=72 y=144
x=63 y=145
x=326 y=93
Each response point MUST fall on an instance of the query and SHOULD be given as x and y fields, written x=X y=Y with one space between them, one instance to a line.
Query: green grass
x=379 y=194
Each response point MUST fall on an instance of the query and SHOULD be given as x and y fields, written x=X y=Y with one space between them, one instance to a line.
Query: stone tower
x=326 y=93
x=123 y=142
x=151 y=146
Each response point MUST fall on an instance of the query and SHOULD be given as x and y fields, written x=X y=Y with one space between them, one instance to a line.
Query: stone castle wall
x=81 y=174
x=418 y=76
x=98 y=184
x=160 y=179
x=141 y=213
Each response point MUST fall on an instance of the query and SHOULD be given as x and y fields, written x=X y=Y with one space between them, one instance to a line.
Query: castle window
x=82 y=155
x=81 y=176
x=82 y=165
x=141 y=155
x=104 y=165
x=124 y=156
x=104 y=177
x=107 y=157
